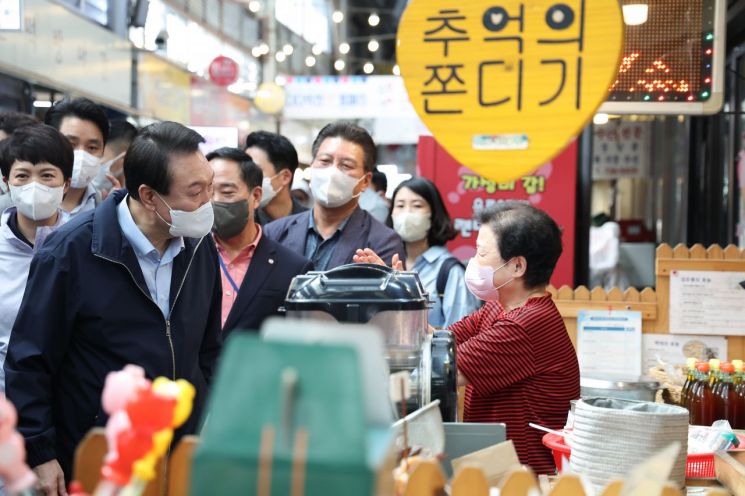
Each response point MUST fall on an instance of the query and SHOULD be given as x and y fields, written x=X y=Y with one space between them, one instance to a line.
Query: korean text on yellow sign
x=504 y=86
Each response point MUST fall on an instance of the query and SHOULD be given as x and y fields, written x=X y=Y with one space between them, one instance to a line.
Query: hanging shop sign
x=213 y=105
x=551 y=188
x=346 y=97
x=164 y=89
x=223 y=71
x=506 y=87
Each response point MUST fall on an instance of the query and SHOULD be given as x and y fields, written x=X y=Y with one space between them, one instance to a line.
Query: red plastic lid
x=702 y=367
x=727 y=368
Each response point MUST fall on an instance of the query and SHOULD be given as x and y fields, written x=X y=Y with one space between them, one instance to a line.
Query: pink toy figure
x=120 y=390
x=19 y=479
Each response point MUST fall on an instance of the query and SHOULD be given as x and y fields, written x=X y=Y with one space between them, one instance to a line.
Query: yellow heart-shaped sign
x=504 y=86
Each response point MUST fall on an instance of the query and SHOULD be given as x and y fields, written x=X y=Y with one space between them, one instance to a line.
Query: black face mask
x=230 y=218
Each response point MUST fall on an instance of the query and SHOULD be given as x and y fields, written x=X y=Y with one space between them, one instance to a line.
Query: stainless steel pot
x=630 y=388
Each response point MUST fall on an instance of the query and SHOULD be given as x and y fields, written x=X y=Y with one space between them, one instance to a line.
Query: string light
x=373 y=20
x=288 y=49
x=339 y=65
x=254 y=6
x=337 y=16
x=344 y=48
x=280 y=56
x=396 y=70
x=368 y=68
x=310 y=61
x=317 y=50
x=373 y=45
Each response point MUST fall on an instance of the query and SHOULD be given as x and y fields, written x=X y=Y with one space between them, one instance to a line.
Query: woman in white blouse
x=420 y=217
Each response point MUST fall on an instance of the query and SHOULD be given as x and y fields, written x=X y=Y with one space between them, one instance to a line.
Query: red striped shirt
x=521 y=367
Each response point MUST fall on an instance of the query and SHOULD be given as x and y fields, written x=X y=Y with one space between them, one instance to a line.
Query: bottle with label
x=701 y=406
x=714 y=371
x=739 y=408
x=724 y=394
x=690 y=378
x=737 y=377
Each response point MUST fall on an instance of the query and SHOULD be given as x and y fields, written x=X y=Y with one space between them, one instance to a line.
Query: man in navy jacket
x=343 y=161
x=256 y=271
x=134 y=281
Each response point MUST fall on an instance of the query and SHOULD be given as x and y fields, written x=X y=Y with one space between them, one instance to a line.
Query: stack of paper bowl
x=611 y=436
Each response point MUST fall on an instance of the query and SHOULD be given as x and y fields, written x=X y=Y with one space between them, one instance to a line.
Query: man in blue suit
x=344 y=158
x=255 y=270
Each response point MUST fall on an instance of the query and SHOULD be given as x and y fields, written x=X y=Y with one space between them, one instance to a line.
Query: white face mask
x=37 y=201
x=412 y=226
x=101 y=182
x=267 y=193
x=84 y=169
x=331 y=187
x=196 y=224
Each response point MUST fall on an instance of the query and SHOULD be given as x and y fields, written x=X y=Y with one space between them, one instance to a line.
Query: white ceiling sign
x=63 y=49
x=11 y=15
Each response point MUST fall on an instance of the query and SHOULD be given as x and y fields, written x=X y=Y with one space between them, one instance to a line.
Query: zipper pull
x=168 y=328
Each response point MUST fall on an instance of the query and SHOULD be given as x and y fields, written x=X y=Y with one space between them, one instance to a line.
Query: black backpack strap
x=444 y=273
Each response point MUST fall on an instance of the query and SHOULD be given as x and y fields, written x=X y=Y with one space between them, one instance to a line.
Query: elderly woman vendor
x=514 y=354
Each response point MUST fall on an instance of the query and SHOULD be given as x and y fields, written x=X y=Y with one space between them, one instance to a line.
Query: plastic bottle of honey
x=739 y=408
x=724 y=394
x=737 y=377
x=693 y=398
x=690 y=378
x=714 y=371
x=700 y=399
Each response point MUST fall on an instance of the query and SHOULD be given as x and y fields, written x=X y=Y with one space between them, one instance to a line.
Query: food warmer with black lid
x=396 y=303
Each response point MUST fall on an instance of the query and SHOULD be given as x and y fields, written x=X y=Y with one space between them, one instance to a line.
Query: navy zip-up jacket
x=87 y=311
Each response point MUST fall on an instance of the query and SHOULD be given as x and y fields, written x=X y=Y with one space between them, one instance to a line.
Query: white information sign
x=216 y=137
x=609 y=342
x=11 y=15
x=68 y=52
x=707 y=302
x=675 y=349
x=620 y=149
x=346 y=97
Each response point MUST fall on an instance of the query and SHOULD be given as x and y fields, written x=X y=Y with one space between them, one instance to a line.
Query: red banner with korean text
x=551 y=188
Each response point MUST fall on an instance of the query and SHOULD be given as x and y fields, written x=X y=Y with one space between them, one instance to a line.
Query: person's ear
x=521 y=266
x=255 y=197
x=65 y=186
x=147 y=197
x=365 y=182
x=285 y=177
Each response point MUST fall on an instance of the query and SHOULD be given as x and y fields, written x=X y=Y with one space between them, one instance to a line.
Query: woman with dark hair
x=421 y=220
x=514 y=354
x=36 y=162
